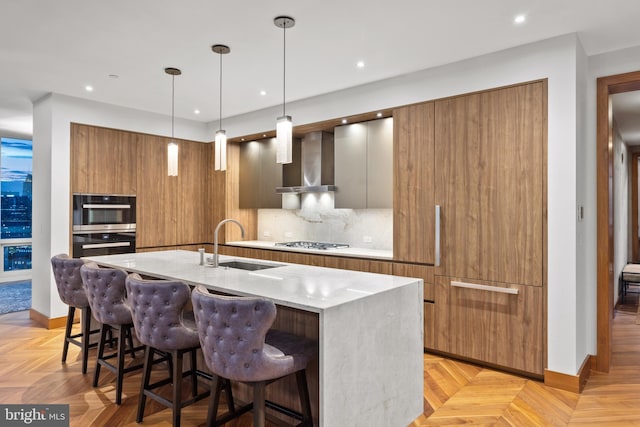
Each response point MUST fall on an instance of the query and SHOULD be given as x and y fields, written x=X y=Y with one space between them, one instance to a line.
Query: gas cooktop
x=313 y=245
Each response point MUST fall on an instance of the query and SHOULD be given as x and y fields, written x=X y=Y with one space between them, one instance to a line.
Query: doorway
x=606 y=86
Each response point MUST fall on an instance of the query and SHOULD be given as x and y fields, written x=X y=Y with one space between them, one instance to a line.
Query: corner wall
x=53 y=115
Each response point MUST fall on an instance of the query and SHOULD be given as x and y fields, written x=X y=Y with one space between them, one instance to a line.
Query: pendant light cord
x=284 y=67
x=220 y=122
x=173 y=91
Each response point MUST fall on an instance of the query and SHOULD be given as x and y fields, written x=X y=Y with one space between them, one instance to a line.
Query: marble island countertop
x=369 y=329
x=299 y=286
x=346 y=252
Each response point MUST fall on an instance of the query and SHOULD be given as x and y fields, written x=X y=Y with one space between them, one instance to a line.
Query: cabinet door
x=491 y=326
x=350 y=148
x=413 y=184
x=249 y=174
x=158 y=196
x=270 y=176
x=458 y=166
x=259 y=175
x=489 y=184
x=191 y=213
x=103 y=161
x=380 y=164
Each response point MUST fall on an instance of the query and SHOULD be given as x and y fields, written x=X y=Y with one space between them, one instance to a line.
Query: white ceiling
x=60 y=46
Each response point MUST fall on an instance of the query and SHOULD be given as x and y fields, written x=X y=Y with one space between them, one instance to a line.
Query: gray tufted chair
x=105 y=288
x=162 y=326
x=237 y=345
x=66 y=272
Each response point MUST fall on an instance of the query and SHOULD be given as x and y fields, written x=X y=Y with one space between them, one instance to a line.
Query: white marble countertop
x=346 y=252
x=304 y=287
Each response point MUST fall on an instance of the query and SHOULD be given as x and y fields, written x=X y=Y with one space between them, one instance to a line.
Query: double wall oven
x=103 y=224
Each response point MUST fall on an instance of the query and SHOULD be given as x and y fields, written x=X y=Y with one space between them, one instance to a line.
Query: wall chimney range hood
x=316 y=163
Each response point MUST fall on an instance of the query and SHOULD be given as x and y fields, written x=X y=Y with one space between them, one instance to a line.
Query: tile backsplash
x=360 y=228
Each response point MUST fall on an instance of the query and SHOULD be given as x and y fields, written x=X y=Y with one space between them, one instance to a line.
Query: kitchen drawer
x=359 y=264
x=425 y=272
x=479 y=320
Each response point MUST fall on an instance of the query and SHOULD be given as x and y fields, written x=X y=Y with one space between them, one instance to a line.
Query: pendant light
x=284 y=125
x=221 y=136
x=172 y=146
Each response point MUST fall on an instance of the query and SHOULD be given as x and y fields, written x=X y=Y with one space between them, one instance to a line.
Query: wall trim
x=50 y=323
x=572 y=383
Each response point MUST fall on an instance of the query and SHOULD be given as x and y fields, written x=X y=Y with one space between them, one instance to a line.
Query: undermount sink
x=250 y=266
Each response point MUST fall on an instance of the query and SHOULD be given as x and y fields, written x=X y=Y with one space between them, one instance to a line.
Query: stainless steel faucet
x=215 y=238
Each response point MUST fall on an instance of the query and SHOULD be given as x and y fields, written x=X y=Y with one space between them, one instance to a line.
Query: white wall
x=53 y=116
x=621 y=159
x=585 y=297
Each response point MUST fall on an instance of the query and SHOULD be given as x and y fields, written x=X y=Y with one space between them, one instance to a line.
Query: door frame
x=606 y=86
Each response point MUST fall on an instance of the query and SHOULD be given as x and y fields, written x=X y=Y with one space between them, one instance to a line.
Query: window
x=15 y=203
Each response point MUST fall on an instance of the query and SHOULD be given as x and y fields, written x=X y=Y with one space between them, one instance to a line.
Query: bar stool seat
x=238 y=345
x=105 y=288
x=66 y=272
x=163 y=327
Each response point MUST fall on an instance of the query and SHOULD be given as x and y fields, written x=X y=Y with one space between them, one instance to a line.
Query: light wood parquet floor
x=455 y=393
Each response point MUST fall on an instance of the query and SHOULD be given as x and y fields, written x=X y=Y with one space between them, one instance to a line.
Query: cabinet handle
x=498 y=289
x=106 y=245
x=437 y=260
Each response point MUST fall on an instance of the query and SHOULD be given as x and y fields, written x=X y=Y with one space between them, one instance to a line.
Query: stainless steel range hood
x=316 y=163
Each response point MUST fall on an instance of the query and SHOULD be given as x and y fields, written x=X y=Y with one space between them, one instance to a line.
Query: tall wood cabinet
x=480 y=159
x=170 y=211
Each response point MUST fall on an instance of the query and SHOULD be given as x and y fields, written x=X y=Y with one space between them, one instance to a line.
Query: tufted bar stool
x=105 y=288
x=162 y=326
x=238 y=345
x=66 y=272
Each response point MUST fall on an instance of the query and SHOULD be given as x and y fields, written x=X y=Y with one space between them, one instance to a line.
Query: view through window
x=15 y=203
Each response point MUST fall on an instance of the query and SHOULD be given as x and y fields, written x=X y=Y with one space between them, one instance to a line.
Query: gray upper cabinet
x=259 y=175
x=364 y=165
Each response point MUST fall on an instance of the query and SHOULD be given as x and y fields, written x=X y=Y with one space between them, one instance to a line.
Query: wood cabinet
x=413 y=184
x=103 y=161
x=157 y=197
x=489 y=183
x=363 y=165
x=259 y=175
x=504 y=329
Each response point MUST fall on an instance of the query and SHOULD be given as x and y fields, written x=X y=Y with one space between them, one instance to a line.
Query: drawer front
x=423 y=272
x=497 y=323
x=429 y=324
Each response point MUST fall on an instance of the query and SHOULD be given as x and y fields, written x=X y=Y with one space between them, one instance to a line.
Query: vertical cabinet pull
x=437 y=260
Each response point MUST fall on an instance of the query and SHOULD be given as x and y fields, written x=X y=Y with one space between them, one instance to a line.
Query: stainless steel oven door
x=102 y=212
x=106 y=243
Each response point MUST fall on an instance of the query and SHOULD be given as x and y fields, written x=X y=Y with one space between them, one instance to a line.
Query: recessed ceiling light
x=263 y=92
x=344 y=121
x=379 y=115
x=196 y=111
x=360 y=64
x=519 y=19
x=241 y=139
x=264 y=135
x=88 y=88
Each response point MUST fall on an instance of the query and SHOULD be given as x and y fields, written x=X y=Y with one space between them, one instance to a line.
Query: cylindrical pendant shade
x=172 y=158
x=284 y=139
x=221 y=151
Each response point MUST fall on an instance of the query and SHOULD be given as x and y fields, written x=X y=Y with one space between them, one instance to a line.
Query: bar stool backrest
x=106 y=293
x=66 y=272
x=157 y=306
x=232 y=334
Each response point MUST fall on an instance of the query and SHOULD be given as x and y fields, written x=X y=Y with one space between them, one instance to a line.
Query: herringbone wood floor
x=455 y=393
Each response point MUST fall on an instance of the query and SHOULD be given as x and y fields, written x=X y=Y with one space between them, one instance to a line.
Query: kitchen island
x=369 y=370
